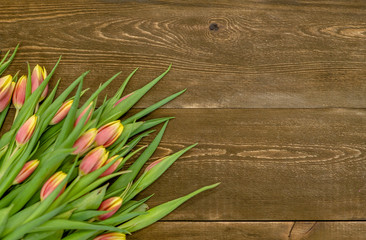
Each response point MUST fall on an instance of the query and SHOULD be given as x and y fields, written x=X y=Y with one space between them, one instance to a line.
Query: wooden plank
x=274 y=164
x=230 y=54
x=253 y=231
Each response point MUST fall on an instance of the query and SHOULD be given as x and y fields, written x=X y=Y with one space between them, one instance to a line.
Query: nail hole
x=214 y=27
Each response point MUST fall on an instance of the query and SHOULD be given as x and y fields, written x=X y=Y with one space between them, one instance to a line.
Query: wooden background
x=276 y=99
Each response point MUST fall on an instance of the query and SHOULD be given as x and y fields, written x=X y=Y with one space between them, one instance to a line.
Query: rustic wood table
x=276 y=100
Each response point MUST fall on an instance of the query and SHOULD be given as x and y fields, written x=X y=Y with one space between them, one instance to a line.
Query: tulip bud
x=4 y=102
x=153 y=164
x=83 y=143
x=19 y=92
x=25 y=132
x=93 y=160
x=111 y=204
x=62 y=112
x=52 y=184
x=109 y=133
x=113 y=167
x=111 y=236
x=5 y=83
x=38 y=75
x=26 y=171
x=83 y=112
x=123 y=98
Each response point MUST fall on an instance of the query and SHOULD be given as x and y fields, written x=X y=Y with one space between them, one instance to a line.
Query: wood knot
x=214 y=27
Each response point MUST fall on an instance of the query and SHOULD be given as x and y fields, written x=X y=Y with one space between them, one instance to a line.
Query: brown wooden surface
x=276 y=99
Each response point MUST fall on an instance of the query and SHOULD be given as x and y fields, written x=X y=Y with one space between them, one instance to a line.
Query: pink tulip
x=90 y=106
x=19 y=92
x=25 y=132
x=113 y=167
x=83 y=143
x=93 y=160
x=111 y=236
x=4 y=102
x=123 y=98
x=5 y=84
x=26 y=171
x=62 y=112
x=109 y=133
x=153 y=164
x=39 y=74
x=52 y=183
x=111 y=204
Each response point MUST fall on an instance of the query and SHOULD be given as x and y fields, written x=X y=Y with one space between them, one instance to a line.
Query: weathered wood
x=253 y=231
x=274 y=164
x=230 y=54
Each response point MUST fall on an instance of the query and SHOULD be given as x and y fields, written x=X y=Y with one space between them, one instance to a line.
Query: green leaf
x=80 y=235
x=154 y=173
x=148 y=110
x=28 y=227
x=6 y=64
x=125 y=105
x=4 y=215
x=85 y=215
x=122 y=181
x=91 y=200
x=158 y=212
x=63 y=224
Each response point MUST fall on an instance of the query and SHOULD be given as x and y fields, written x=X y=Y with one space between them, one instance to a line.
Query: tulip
x=113 y=167
x=123 y=98
x=83 y=112
x=52 y=184
x=5 y=84
x=112 y=205
x=111 y=236
x=26 y=171
x=38 y=75
x=4 y=102
x=153 y=164
x=19 y=92
x=83 y=143
x=93 y=160
x=25 y=132
x=62 y=112
x=109 y=133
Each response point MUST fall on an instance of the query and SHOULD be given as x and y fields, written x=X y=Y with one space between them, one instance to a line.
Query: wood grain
x=229 y=54
x=274 y=164
x=253 y=231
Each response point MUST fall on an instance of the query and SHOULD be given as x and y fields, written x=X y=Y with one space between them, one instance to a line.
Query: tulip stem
x=16 y=114
x=36 y=109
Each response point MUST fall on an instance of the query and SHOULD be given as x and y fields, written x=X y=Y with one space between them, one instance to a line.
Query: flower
x=109 y=133
x=111 y=204
x=25 y=132
x=83 y=143
x=52 y=183
x=26 y=171
x=93 y=160
x=4 y=102
x=123 y=98
x=111 y=236
x=83 y=112
x=5 y=84
x=62 y=112
x=113 y=167
x=38 y=75
x=153 y=164
x=19 y=92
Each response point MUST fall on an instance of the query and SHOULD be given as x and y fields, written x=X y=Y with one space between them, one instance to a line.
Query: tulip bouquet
x=63 y=171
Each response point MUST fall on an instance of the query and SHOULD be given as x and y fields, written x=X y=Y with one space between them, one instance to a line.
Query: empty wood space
x=276 y=99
